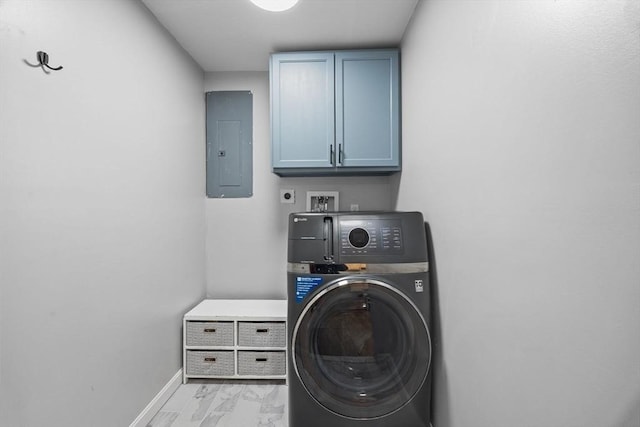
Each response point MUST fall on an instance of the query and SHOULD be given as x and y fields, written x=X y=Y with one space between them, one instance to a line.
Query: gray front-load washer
x=358 y=320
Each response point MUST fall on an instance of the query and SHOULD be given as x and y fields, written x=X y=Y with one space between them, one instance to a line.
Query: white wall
x=247 y=237
x=521 y=139
x=101 y=210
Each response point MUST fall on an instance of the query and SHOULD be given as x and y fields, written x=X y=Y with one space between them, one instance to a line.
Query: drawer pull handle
x=209 y=359
x=210 y=329
x=262 y=331
x=261 y=359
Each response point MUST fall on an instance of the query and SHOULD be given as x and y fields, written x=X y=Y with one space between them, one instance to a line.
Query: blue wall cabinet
x=335 y=112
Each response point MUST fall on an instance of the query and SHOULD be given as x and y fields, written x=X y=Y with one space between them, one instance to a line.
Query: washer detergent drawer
x=310 y=238
x=262 y=334
x=210 y=333
x=261 y=363
x=210 y=363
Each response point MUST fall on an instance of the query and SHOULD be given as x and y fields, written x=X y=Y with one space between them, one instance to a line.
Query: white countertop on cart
x=238 y=309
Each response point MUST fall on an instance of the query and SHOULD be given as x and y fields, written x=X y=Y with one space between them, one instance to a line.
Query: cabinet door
x=302 y=109
x=367 y=108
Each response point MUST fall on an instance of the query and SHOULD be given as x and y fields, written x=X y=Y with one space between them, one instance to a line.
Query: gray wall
x=246 y=237
x=521 y=139
x=101 y=210
x=521 y=146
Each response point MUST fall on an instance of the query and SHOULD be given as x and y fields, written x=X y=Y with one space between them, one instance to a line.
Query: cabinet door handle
x=339 y=153
x=261 y=359
x=209 y=330
x=332 y=155
x=262 y=331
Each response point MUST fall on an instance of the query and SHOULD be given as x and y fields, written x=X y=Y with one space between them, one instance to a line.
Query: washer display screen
x=361 y=349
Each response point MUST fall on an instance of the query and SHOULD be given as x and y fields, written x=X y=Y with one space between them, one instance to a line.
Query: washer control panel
x=370 y=236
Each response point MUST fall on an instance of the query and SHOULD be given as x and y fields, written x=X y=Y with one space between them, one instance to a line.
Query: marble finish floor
x=211 y=403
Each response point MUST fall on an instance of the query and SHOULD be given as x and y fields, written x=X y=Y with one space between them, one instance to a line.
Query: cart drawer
x=210 y=333
x=218 y=363
x=261 y=363
x=262 y=334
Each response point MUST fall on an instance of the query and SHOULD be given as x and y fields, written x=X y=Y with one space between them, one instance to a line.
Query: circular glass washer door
x=361 y=348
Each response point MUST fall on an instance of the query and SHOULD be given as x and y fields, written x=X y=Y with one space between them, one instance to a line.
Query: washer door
x=361 y=348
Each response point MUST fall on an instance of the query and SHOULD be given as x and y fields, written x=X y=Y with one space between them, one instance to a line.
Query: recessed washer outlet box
x=287 y=196
x=323 y=201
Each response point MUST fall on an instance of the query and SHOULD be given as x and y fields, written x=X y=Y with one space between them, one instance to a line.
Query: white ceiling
x=235 y=35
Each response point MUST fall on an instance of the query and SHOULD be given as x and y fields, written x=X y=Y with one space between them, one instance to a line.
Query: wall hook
x=43 y=61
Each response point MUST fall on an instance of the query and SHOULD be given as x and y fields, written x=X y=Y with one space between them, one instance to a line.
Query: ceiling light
x=275 y=5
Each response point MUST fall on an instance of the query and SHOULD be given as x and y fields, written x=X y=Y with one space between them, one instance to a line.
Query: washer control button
x=358 y=237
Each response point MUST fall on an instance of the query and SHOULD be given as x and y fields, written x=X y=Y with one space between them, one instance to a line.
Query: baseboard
x=156 y=403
